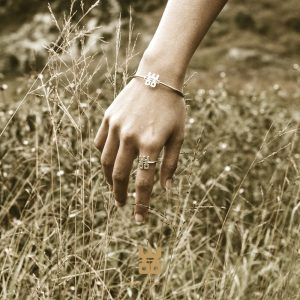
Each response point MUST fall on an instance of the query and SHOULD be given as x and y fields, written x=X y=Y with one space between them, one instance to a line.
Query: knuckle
x=106 y=116
x=97 y=144
x=119 y=177
x=143 y=184
x=151 y=146
x=114 y=123
x=180 y=139
x=170 y=166
x=128 y=136
x=106 y=163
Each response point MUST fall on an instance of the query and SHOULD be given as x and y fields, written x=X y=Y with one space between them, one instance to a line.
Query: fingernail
x=169 y=184
x=139 y=219
x=119 y=204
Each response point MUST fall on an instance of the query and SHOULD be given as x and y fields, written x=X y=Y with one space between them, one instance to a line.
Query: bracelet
x=152 y=80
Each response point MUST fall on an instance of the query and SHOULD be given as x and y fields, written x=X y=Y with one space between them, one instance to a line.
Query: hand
x=141 y=121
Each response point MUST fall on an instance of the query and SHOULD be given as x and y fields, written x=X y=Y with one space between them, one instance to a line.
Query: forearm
x=183 y=25
x=123 y=135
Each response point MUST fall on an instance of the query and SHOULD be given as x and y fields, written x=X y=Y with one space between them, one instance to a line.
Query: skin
x=144 y=121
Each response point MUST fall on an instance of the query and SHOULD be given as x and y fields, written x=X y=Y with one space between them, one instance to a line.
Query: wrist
x=157 y=62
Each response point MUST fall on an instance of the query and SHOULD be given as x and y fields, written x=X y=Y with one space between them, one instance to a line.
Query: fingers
x=119 y=149
x=109 y=155
x=170 y=160
x=121 y=172
x=144 y=184
x=102 y=134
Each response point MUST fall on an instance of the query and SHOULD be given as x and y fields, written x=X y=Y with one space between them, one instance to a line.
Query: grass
x=229 y=228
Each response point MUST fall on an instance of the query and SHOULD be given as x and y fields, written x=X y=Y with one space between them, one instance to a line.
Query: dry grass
x=229 y=228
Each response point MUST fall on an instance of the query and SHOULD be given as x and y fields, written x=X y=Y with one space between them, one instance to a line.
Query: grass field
x=229 y=228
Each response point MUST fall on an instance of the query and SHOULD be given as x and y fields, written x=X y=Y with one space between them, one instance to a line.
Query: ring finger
x=121 y=172
x=144 y=183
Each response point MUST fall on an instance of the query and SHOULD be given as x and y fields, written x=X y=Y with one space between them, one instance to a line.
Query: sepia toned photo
x=149 y=150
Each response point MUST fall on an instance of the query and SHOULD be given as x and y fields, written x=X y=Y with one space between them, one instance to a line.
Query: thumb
x=170 y=159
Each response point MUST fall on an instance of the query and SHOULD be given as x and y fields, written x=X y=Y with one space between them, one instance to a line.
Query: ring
x=144 y=162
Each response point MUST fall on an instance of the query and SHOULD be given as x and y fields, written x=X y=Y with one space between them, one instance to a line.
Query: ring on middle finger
x=144 y=162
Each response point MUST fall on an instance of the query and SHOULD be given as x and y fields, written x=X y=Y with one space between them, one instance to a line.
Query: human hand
x=141 y=121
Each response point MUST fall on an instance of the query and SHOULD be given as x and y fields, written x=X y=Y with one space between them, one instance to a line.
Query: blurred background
x=230 y=226
x=247 y=37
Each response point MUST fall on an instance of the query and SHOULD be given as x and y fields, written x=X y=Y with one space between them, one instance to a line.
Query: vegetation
x=229 y=227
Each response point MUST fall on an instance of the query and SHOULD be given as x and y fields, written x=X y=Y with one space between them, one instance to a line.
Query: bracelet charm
x=152 y=79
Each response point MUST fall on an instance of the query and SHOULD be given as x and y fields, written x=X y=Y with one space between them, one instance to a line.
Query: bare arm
x=180 y=31
x=143 y=121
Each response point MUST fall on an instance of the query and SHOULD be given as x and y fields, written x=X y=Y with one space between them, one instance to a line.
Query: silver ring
x=144 y=162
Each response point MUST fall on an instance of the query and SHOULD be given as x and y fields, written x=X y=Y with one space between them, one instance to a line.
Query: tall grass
x=229 y=228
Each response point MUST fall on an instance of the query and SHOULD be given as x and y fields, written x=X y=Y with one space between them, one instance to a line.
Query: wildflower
x=83 y=105
x=60 y=173
x=222 y=74
x=237 y=208
x=223 y=146
x=129 y=292
x=201 y=92
x=211 y=92
x=191 y=120
x=296 y=67
x=3 y=87
x=227 y=169
x=44 y=169
x=17 y=222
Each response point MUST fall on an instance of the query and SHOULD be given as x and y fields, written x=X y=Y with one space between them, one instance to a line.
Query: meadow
x=229 y=226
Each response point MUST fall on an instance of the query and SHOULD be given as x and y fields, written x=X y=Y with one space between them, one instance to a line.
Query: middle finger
x=121 y=172
x=144 y=184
